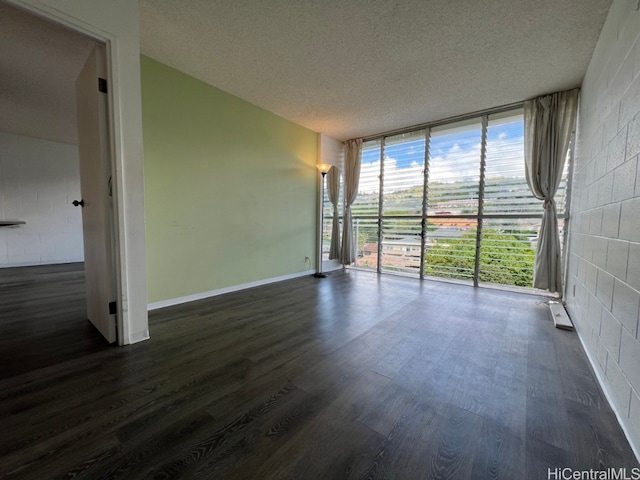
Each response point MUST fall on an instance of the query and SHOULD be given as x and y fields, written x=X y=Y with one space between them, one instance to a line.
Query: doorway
x=42 y=61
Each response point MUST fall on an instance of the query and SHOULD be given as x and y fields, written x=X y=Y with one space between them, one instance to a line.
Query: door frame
x=128 y=223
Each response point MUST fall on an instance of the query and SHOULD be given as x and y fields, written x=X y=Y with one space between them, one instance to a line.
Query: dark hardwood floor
x=352 y=376
x=43 y=318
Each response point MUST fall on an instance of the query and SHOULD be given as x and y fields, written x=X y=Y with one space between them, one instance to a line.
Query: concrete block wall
x=38 y=181
x=603 y=282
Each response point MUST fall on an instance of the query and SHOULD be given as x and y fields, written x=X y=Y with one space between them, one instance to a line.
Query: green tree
x=505 y=258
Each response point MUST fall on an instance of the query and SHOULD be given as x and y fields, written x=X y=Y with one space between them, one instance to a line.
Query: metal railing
x=506 y=252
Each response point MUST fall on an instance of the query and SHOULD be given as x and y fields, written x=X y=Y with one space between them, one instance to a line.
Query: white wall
x=331 y=151
x=38 y=181
x=116 y=22
x=603 y=286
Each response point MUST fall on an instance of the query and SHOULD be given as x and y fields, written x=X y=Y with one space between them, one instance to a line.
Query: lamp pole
x=323 y=168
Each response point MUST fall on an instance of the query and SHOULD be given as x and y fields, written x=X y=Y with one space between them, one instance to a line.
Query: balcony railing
x=493 y=248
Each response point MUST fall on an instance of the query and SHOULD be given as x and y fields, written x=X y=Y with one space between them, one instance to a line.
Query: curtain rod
x=437 y=123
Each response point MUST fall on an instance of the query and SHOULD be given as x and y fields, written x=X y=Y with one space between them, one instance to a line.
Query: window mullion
x=483 y=161
x=425 y=196
x=380 y=204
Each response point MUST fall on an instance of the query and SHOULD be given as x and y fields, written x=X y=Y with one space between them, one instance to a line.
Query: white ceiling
x=352 y=68
x=346 y=68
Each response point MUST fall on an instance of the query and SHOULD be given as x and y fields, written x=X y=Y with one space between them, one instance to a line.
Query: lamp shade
x=323 y=167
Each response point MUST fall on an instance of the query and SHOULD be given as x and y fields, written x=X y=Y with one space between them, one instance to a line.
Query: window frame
x=378 y=142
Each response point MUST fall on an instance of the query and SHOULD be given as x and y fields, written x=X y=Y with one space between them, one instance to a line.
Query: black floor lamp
x=323 y=168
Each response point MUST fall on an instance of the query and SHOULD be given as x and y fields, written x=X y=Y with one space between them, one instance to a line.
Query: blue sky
x=454 y=154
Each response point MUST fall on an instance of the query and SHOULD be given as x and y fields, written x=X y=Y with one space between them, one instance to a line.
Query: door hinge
x=102 y=85
x=113 y=308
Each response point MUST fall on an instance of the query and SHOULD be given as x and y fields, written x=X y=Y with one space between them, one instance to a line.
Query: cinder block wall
x=38 y=181
x=603 y=285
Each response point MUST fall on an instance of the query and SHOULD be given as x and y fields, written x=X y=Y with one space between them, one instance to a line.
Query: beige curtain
x=333 y=192
x=548 y=125
x=352 y=149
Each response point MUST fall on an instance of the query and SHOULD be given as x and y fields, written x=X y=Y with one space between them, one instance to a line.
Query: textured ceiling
x=342 y=67
x=355 y=68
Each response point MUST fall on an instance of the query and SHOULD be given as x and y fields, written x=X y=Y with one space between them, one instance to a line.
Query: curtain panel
x=352 y=151
x=548 y=125
x=333 y=192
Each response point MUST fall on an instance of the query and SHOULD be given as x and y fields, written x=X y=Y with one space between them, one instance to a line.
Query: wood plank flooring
x=353 y=376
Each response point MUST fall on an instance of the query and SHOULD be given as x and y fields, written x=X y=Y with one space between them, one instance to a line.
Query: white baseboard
x=220 y=291
x=39 y=264
x=139 y=337
x=623 y=420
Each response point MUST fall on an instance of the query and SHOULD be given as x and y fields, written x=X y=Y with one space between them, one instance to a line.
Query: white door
x=95 y=185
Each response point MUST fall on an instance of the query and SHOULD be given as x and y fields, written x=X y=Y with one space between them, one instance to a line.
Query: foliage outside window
x=427 y=197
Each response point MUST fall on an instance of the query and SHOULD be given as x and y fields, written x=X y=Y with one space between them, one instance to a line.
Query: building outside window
x=451 y=201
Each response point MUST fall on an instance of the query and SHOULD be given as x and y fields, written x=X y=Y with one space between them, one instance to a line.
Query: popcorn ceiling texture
x=354 y=68
x=604 y=245
x=343 y=68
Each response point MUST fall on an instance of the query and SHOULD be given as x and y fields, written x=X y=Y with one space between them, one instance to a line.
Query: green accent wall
x=230 y=188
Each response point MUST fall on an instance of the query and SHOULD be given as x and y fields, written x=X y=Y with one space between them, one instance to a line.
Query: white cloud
x=455 y=165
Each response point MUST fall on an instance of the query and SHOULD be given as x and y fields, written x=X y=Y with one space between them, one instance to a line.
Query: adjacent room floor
x=352 y=376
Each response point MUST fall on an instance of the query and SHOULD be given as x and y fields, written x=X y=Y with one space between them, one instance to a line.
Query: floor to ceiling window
x=451 y=201
x=367 y=205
